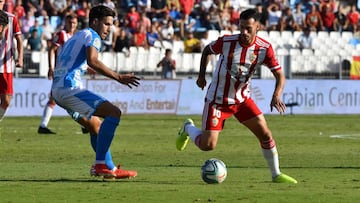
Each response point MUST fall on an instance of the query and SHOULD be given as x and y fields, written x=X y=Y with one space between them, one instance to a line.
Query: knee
x=207 y=146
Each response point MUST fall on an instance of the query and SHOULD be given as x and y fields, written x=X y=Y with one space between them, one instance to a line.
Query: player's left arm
x=19 y=62
x=92 y=60
x=279 y=87
x=272 y=63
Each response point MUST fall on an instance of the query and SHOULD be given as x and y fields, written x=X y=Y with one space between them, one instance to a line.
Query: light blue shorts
x=81 y=101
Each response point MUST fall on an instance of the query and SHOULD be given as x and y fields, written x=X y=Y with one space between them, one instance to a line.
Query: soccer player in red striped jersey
x=9 y=31
x=229 y=95
x=71 y=23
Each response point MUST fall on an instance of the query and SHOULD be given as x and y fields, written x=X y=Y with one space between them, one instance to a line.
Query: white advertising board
x=152 y=96
x=183 y=97
x=30 y=97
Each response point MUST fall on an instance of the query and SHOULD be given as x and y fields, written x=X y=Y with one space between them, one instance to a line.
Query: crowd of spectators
x=147 y=23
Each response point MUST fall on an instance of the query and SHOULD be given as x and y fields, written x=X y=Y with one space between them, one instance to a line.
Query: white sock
x=272 y=158
x=2 y=113
x=46 y=116
x=193 y=132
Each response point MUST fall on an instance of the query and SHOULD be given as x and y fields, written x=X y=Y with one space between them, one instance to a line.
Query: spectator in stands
x=19 y=10
x=305 y=40
x=205 y=40
x=206 y=5
x=340 y=19
x=139 y=38
x=82 y=13
x=34 y=41
x=109 y=3
x=26 y=22
x=159 y=9
x=48 y=31
x=168 y=66
x=191 y=43
x=186 y=6
x=122 y=42
x=132 y=17
x=264 y=16
x=235 y=16
x=274 y=15
x=212 y=19
x=38 y=27
x=328 y=18
x=167 y=30
x=287 y=21
x=187 y=26
x=313 y=19
x=144 y=5
x=153 y=36
x=299 y=17
x=225 y=19
x=144 y=21
x=353 y=19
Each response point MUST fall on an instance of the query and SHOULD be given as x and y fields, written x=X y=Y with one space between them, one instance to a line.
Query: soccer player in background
x=229 y=94
x=71 y=23
x=10 y=29
x=77 y=53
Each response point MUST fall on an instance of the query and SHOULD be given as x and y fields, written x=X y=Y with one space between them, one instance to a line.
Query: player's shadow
x=64 y=180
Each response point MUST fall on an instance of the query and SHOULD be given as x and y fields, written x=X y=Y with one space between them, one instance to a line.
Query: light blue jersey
x=67 y=88
x=71 y=62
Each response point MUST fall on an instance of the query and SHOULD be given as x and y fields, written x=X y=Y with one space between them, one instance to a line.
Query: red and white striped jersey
x=236 y=64
x=7 y=45
x=60 y=38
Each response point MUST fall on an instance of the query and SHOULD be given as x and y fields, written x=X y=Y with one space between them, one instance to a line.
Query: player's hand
x=129 y=79
x=18 y=63
x=201 y=82
x=50 y=74
x=278 y=104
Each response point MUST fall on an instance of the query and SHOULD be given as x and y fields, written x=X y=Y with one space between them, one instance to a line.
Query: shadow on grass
x=64 y=180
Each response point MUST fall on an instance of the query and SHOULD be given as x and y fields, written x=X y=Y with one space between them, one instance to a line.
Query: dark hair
x=168 y=51
x=4 y=19
x=99 y=12
x=250 y=13
x=71 y=16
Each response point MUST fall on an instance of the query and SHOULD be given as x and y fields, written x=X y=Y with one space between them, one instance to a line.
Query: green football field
x=321 y=151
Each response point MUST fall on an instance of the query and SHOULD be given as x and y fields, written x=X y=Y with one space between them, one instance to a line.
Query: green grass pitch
x=321 y=151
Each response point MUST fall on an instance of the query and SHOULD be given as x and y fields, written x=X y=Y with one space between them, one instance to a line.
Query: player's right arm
x=205 y=58
x=92 y=60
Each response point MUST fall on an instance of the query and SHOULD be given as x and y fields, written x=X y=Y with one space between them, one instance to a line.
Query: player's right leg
x=207 y=138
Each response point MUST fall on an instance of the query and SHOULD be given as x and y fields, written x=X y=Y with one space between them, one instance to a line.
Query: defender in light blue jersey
x=77 y=54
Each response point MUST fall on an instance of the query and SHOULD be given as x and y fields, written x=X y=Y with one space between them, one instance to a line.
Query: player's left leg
x=253 y=119
x=5 y=100
x=6 y=92
x=47 y=113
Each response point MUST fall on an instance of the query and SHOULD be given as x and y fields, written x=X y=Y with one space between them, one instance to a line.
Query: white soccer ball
x=213 y=171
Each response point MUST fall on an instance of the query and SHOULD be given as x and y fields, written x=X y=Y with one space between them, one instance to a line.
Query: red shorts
x=6 y=83
x=214 y=115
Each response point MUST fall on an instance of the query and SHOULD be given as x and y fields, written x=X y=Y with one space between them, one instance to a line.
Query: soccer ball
x=213 y=171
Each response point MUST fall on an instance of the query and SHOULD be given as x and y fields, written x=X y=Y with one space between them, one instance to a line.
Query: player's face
x=71 y=25
x=248 y=29
x=103 y=26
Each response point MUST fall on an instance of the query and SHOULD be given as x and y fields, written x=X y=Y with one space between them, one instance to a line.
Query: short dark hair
x=4 y=19
x=71 y=16
x=99 y=12
x=250 y=13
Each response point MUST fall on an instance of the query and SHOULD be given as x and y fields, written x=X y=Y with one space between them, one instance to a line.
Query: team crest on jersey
x=252 y=57
x=214 y=122
x=97 y=43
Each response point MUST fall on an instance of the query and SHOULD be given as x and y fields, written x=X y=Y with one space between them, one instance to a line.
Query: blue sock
x=108 y=158
x=105 y=137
